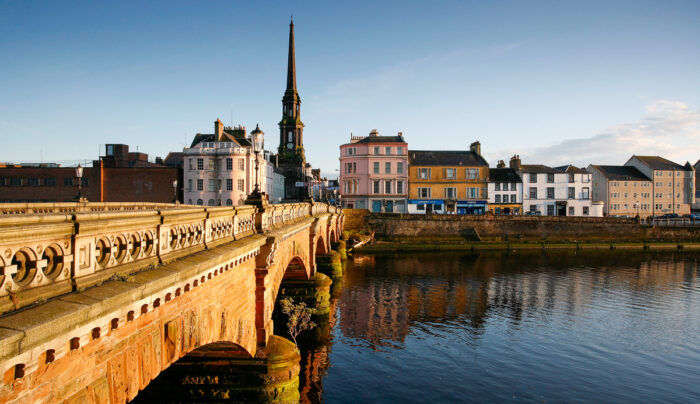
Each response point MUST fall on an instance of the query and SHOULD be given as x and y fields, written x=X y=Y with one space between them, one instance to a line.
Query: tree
x=299 y=317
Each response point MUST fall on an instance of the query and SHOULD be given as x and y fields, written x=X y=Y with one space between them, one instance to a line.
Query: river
x=493 y=327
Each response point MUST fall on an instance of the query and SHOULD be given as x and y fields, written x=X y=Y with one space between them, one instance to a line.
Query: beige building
x=625 y=190
x=673 y=185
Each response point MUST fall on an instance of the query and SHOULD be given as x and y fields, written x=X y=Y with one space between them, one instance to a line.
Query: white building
x=558 y=191
x=274 y=180
x=505 y=191
x=219 y=168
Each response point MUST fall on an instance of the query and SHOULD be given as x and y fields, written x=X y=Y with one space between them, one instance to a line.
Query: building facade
x=505 y=191
x=220 y=168
x=673 y=185
x=451 y=182
x=556 y=191
x=374 y=173
x=118 y=176
x=274 y=181
x=625 y=190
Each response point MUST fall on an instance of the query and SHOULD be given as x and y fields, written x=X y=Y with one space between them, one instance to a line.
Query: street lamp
x=79 y=174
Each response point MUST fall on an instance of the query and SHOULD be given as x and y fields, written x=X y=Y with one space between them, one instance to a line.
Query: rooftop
x=622 y=173
x=660 y=163
x=503 y=175
x=445 y=158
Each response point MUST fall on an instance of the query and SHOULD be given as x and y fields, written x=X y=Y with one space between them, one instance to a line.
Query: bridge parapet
x=47 y=254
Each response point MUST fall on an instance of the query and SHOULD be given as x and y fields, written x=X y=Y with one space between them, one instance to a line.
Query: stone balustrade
x=49 y=249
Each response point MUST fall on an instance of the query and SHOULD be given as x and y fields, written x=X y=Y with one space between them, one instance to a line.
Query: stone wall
x=516 y=228
x=356 y=219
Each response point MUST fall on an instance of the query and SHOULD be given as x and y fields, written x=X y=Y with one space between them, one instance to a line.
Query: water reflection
x=561 y=326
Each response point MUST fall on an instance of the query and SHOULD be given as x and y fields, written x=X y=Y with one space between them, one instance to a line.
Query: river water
x=611 y=327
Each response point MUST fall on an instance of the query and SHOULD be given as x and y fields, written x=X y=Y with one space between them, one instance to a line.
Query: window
x=572 y=193
x=399 y=187
x=571 y=179
x=424 y=173
x=497 y=198
x=533 y=208
x=585 y=210
x=241 y=164
x=550 y=210
x=513 y=186
x=200 y=164
x=376 y=167
x=200 y=202
x=350 y=151
x=497 y=186
x=450 y=193
x=229 y=202
x=472 y=192
x=512 y=198
x=571 y=210
x=399 y=168
x=387 y=168
x=229 y=164
x=48 y=182
x=229 y=184
x=376 y=149
x=387 y=150
x=472 y=173
x=550 y=177
x=191 y=167
x=533 y=178
x=241 y=185
x=211 y=202
x=189 y=186
x=424 y=192
x=550 y=192
x=399 y=150
x=585 y=193
x=85 y=181
x=376 y=186
x=387 y=186
x=533 y=193
x=211 y=186
x=450 y=173
x=200 y=185
x=33 y=182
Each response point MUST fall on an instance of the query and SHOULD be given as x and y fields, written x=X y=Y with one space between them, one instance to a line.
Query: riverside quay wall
x=488 y=228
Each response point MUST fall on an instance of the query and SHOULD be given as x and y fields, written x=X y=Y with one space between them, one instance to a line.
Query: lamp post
x=79 y=174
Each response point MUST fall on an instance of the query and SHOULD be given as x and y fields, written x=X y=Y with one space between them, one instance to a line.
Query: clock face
x=289 y=146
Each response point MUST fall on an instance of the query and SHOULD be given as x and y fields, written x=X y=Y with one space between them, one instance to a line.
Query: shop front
x=471 y=207
x=426 y=206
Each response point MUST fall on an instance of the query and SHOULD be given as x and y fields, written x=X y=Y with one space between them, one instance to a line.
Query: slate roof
x=538 y=168
x=174 y=159
x=622 y=173
x=381 y=139
x=503 y=175
x=445 y=158
x=227 y=137
x=569 y=169
x=660 y=163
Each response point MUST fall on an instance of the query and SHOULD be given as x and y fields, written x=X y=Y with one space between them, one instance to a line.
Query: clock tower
x=291 y=127
x=292 y=161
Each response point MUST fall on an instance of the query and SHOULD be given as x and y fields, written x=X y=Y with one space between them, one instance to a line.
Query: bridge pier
x=219 y=372
x=330 y=264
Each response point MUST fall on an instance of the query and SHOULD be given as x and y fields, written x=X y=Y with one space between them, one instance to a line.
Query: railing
x=674 y=222
x=50 y=249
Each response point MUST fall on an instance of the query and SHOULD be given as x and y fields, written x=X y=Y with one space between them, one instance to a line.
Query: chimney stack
x=374 y=133
x=218 y=129
x=501 y=164
x=515 y=162
x=476 y=147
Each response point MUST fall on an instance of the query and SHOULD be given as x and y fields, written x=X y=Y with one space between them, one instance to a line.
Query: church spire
x=291 y=63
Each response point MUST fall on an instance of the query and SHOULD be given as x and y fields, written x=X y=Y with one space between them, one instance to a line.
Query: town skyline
x=468 y=72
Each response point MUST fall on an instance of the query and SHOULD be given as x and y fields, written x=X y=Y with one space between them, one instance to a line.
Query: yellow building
x=453 y=182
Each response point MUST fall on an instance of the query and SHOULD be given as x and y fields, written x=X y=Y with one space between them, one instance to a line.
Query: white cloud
x=669 y=129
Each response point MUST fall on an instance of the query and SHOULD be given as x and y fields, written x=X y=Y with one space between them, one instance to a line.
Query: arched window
x=229 y=202
x=211 y=202
x=200 y=202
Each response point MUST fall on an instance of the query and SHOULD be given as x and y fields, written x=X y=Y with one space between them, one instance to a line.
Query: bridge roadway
x=98 y=299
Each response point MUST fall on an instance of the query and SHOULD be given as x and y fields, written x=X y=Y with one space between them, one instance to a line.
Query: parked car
x=669 y=216
x=533 y=213
x=694 y=216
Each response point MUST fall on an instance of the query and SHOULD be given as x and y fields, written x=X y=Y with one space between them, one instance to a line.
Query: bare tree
x=299 y=317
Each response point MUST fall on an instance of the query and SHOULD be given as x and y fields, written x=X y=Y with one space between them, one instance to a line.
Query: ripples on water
x=561 y=327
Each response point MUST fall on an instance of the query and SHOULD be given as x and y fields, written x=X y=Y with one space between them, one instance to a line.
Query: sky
x=555 y=82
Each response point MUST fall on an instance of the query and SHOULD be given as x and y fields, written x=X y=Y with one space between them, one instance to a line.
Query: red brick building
x=118 y=176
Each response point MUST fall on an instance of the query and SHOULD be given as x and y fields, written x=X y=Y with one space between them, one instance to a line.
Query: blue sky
x=580 y=82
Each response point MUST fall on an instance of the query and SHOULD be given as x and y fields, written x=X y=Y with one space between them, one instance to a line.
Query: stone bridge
x=99 y=299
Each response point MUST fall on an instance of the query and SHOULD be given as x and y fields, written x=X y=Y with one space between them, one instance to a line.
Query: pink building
x=374 y=173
